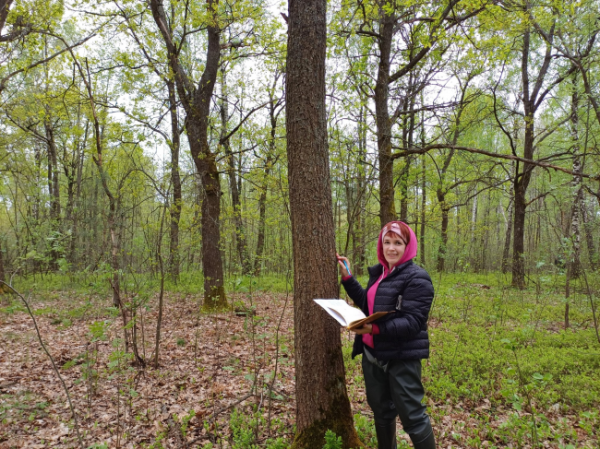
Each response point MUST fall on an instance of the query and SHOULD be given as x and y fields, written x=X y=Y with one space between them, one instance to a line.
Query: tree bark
x=321 y=398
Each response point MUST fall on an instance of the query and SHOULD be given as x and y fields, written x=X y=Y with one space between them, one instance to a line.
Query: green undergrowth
x=491 y=342
x=190 y=282
x=503 y=368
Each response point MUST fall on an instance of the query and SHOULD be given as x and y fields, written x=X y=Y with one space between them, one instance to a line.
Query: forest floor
x=215 y=386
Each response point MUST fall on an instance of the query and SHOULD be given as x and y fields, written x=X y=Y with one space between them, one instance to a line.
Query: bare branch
x=510 y=157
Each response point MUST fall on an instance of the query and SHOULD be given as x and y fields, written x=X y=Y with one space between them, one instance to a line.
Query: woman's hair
x=393 y=228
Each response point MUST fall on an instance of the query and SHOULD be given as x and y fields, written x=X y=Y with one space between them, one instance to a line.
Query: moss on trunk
x=215 y=300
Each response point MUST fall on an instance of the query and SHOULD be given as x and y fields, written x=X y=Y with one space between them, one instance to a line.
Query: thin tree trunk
x=387 y=207
x=573 y=230
x=2 y=273
x=589 y=237
x=234 y=187
x=262 y=200
x=53 y=175
x=473 y=255
x=507 y=238
x=361 y=183
x=175 y=211
x=423 y=206
x=77 y=201
x=442 y=250
x=54 y=190
x=404 y=174
x=321 y=398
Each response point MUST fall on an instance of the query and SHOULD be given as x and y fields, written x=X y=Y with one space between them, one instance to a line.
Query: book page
x=341 y=311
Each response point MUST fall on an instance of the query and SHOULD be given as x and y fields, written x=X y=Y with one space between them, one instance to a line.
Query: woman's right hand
x=343 y=270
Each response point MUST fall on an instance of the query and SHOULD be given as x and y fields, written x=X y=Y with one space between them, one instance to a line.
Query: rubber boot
x=386 y=434
x=426 y=443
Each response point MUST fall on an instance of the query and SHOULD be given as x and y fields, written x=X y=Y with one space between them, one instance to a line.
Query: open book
x=348 y=316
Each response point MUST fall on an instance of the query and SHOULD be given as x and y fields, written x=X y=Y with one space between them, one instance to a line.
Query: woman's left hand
x=366 y=329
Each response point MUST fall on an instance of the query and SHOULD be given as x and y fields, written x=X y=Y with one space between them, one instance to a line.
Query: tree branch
x=509 y=157
x=4 y=80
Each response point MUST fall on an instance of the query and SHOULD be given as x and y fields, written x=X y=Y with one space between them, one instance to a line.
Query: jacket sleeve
x=412 y=318
x=355 y=291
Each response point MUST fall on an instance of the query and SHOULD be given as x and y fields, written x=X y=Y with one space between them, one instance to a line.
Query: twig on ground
x=230 y=406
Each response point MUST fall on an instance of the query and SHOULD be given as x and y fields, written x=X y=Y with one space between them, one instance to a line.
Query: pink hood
x=409 y=253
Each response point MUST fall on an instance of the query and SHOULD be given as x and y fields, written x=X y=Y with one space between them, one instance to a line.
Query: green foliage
x=244 y=429
x=332 y=441
x=21 y=406
x=365 y=429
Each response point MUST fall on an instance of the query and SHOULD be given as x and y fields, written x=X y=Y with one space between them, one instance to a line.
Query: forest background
x=145 y=209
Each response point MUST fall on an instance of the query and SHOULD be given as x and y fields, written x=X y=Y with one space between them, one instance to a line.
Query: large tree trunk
x=387 y=207
x=196 y=101
x=212 y=261
x=520 y=189
x=321 y=398
x=197 y=123
x=175 y=210
x=532 y=97
x=521 y=181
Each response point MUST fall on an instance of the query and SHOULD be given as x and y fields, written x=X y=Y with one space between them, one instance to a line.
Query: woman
x=393 y=347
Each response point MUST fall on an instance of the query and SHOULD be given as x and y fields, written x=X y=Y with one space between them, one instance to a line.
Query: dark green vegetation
x=503 y=370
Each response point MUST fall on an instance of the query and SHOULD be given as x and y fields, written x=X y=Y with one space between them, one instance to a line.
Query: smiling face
x=393 y=248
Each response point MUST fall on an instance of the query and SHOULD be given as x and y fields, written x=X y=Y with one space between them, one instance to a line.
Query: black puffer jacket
x=402 y=334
